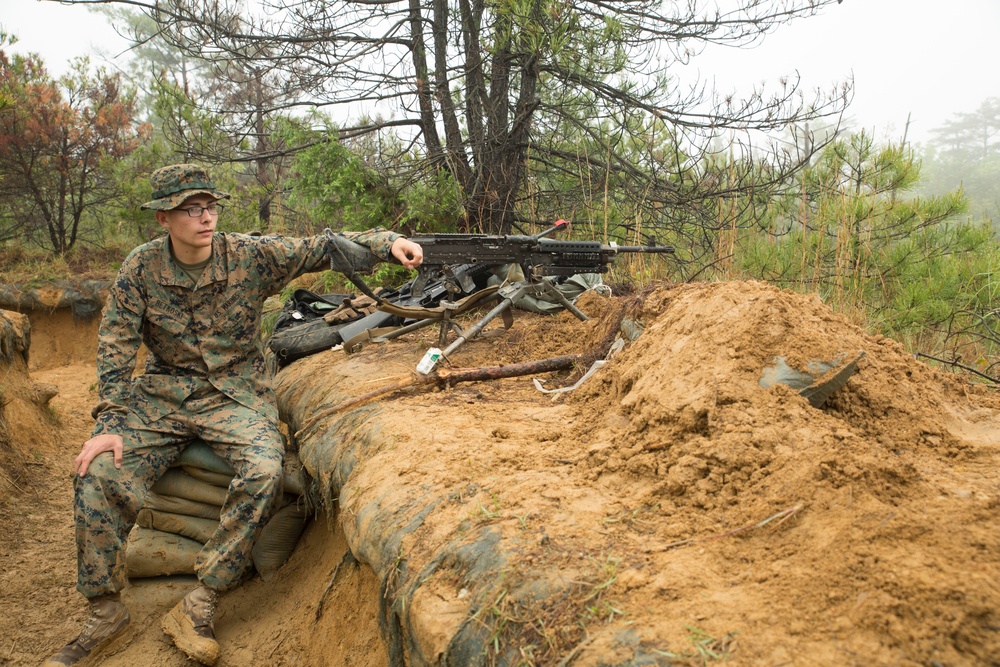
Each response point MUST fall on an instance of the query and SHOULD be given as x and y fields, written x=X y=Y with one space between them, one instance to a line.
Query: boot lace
x=90 y=626
x=207 y=606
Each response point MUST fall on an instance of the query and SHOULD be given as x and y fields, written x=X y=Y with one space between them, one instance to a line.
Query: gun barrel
x=656 y=249
x=550 y=245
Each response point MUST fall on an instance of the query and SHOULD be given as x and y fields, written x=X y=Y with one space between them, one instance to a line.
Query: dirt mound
x=892 y=552
x=684 y=411
x=673 y=504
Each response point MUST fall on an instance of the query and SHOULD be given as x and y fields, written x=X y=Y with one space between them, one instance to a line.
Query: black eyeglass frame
x=213 y=209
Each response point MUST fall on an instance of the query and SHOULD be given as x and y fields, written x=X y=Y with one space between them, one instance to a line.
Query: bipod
x=508 y=294
x=448 y=324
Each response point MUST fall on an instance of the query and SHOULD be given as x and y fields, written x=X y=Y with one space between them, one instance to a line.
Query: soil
x=673 y=510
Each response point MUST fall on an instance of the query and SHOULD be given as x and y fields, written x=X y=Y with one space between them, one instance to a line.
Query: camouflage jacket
x=206 y=334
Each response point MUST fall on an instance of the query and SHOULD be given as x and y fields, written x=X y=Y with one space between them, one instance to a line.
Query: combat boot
x=191 y=625
x=108 y=617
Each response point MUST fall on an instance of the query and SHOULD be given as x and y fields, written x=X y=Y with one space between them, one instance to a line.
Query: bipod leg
x=561 y=298
x=447 y=324
x=473 y=331
x=405 y=330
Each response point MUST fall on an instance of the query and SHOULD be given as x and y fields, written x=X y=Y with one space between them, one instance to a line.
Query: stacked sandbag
x=182 y=511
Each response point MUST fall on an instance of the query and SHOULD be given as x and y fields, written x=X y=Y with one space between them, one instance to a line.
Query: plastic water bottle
x=427 y=364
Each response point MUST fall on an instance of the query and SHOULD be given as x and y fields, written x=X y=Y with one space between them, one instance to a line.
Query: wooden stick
x=445 y=377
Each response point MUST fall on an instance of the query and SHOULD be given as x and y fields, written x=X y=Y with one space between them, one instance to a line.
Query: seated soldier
x=194 y=297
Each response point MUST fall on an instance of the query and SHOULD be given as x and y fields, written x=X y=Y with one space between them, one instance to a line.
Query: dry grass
x=34 y=266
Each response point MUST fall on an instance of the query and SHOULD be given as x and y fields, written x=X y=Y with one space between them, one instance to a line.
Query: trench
x=304 y=615
x=490 y=524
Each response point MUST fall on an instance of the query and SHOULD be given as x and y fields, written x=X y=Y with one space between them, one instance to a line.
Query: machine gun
x=539 y=259
x=537 y=256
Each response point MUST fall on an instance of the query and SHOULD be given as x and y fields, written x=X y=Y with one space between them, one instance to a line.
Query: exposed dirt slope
x=621 y=524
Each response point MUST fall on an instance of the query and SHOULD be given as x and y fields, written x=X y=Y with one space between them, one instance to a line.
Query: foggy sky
x=923 y=58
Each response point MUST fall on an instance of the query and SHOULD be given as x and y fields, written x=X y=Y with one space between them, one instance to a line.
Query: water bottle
x=427 y=364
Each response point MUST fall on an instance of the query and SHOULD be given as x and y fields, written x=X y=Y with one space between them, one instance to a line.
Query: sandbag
x=151 y=553
x=214 y=478
x=278 y=538
x=174 y=505
x=193 y=527
x=294 y=479
x=200 y=455
x=176 y=482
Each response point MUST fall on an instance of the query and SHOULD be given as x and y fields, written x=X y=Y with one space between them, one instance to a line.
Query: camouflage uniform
x=205 y=378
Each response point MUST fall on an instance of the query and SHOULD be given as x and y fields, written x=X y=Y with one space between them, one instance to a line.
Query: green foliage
x=344 y=187
x=337 y=186
x=849 y=232
x=965 y=152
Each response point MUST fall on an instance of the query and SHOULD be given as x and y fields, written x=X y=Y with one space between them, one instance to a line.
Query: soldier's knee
x=100 y=470
x=265 y=469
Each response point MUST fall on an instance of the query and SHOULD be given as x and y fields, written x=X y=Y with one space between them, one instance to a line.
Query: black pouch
x=300 y=329
x=305 y=306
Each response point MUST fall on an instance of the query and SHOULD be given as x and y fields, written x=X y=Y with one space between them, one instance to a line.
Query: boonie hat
x=173 y=184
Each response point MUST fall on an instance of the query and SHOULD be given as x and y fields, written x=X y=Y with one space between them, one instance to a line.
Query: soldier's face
x=190 y=235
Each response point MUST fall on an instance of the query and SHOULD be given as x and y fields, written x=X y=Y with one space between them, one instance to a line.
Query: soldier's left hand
x=409 y=254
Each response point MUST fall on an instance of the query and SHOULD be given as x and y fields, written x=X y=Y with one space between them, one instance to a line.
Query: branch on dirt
x=448 y=378
x=955 y=364
x=782 y=517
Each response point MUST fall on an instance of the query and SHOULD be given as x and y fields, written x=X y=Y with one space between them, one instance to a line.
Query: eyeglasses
x=196 y=211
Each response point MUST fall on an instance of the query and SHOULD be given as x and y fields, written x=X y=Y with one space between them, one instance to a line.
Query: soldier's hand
x=106 y=442
x=409 y=254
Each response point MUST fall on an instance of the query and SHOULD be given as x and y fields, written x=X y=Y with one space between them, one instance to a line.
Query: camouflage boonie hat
x=173 y=184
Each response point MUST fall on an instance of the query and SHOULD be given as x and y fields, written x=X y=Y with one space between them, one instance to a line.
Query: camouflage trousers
x=107 y=499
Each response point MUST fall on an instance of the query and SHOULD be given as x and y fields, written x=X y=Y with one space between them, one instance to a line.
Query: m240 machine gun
x=448 y=257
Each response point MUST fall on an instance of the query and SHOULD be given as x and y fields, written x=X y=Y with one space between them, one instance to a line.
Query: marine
x=194 y=298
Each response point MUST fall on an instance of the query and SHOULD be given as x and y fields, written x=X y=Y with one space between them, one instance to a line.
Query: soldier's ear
x=161 y=217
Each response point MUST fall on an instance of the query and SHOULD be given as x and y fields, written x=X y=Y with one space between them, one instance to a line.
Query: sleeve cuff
x=109 y=421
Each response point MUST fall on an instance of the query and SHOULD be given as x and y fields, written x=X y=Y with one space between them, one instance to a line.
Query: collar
x=171 y=274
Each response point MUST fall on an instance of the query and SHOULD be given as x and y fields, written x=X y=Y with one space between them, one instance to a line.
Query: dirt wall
x=64 y=318
x=24 y=403
x=673 y=505
x=58 y=338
